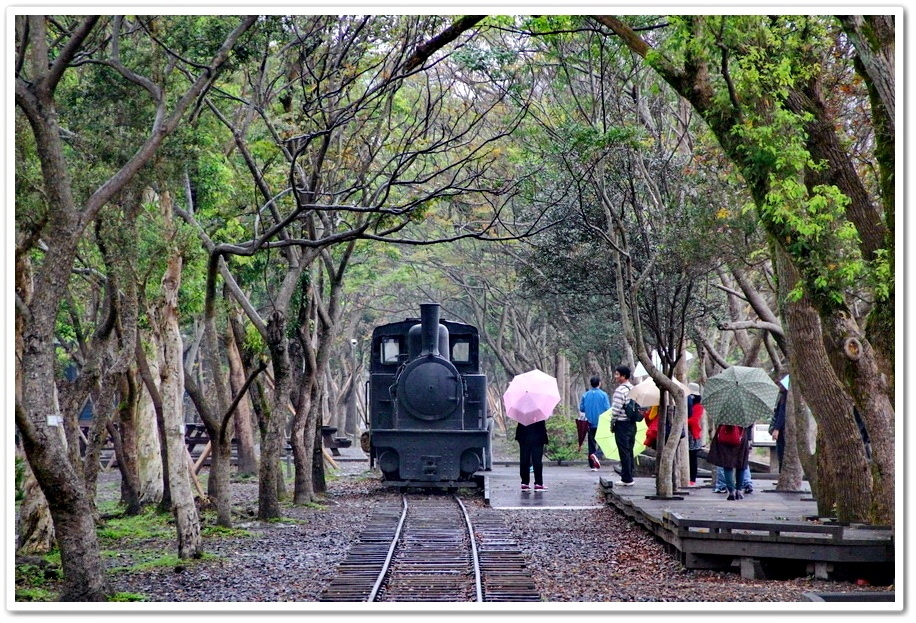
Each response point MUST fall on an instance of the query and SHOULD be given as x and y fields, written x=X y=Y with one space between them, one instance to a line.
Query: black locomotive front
x=427 y=402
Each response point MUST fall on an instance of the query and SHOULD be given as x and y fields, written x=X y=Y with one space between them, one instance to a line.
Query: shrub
x=563 y=446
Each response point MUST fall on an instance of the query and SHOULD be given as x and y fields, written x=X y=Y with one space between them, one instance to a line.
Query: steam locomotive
x=428 y=424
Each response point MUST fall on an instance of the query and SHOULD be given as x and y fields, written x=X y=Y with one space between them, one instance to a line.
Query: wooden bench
x=332 y=442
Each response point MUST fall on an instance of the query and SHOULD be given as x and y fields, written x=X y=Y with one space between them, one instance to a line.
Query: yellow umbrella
x=605 y=438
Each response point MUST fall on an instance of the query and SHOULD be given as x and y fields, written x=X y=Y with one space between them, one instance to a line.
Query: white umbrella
x=647 y=393
x=657 y=362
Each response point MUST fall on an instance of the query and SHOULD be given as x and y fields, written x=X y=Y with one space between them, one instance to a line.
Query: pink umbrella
x=531 y=397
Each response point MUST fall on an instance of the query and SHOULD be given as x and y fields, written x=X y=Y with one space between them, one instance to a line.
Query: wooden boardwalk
x=767 y=534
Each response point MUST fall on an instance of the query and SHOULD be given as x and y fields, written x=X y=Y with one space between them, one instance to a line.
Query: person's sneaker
x=692 y=483
x=540 y=487
x=526 y=488
x=594 y=469
x=720 y=490
x=748 y=490
x=621 y=483
x=731 y=496
x=739 y=495
x=594 y=460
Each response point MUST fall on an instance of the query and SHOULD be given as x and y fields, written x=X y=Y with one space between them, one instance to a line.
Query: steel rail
x=394 y=543
x=467 y=520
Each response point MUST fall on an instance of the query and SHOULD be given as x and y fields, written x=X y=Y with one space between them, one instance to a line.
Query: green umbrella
x=605 y=438
x=740 y=396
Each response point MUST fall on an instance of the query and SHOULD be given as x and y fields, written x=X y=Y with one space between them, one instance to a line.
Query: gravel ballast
x=591 y=555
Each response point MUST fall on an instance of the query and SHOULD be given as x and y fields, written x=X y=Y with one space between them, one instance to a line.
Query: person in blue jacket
x=594 y=402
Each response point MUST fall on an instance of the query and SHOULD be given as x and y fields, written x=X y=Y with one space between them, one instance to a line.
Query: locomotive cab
x=428 y=421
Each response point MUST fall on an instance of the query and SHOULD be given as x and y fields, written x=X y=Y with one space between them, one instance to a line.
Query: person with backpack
x=729 y=449
x=623 y=426
x=594 y=402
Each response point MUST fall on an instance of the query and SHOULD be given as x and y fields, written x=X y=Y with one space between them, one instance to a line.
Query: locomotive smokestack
x=429 y=333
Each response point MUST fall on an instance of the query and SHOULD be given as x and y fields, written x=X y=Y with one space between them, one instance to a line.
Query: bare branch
x=775 y=329
x=425 y=50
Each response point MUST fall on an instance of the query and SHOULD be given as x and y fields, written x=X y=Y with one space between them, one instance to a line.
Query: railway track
x=432 y=549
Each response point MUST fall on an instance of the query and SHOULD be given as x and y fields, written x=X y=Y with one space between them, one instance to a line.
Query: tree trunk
x=34 y=529
x=219 y=482
x=103 y=401
x=271 y=488
x=303 y=491
x=151 y=457
x=247 y=460
x=124 y=439
x=826 y=494
x=840 y=449
x=790 y=474
x=84 y=578
x=313 y=448
x=806 y=440
x=172 y=390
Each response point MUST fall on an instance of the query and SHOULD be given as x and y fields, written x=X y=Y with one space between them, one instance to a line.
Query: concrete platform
x=569 y=487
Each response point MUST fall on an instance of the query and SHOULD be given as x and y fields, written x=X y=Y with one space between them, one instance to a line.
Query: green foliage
x=19 y=470
x=38 y=575
x=882 y=274
x=224 y=532
x=155 y=560
x=768 y=59
x=128 y=597
x=147 y=525
x=35 y=594
x=34 y=580
x=561 y=430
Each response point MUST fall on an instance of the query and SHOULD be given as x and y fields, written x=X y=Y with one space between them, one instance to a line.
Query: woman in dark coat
x=731 y=458
x=531 y=441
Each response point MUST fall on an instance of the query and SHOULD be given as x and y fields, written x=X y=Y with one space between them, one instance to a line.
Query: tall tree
x=46 y=51
x=756 y=81
x=381 y=145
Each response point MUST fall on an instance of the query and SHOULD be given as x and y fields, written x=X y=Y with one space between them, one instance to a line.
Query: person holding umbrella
x=530 y=400
x=735 y=399
x=594 y=402
x=531 y=441
x=730 y=449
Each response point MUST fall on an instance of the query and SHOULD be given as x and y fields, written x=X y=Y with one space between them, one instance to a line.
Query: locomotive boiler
x=428 y=423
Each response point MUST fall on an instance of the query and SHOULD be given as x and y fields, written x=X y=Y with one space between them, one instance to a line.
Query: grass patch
x=149 y=524
x=223 y=531
x=109 y=507
x=288 y=520
x=35 y=594
x=164 y=561
x=123 y=597
x=36 y=575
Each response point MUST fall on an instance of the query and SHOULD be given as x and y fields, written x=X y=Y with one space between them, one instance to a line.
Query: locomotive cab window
x=461 y=351
x=391 y=349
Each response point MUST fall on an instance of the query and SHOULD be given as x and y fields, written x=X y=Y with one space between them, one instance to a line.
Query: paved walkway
x=569 y=487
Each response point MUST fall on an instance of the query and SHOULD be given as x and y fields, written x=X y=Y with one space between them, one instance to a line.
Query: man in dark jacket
x=777 y=426
x=531 y=441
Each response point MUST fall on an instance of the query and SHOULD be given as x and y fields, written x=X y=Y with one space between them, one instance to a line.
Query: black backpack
x=633 y=411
